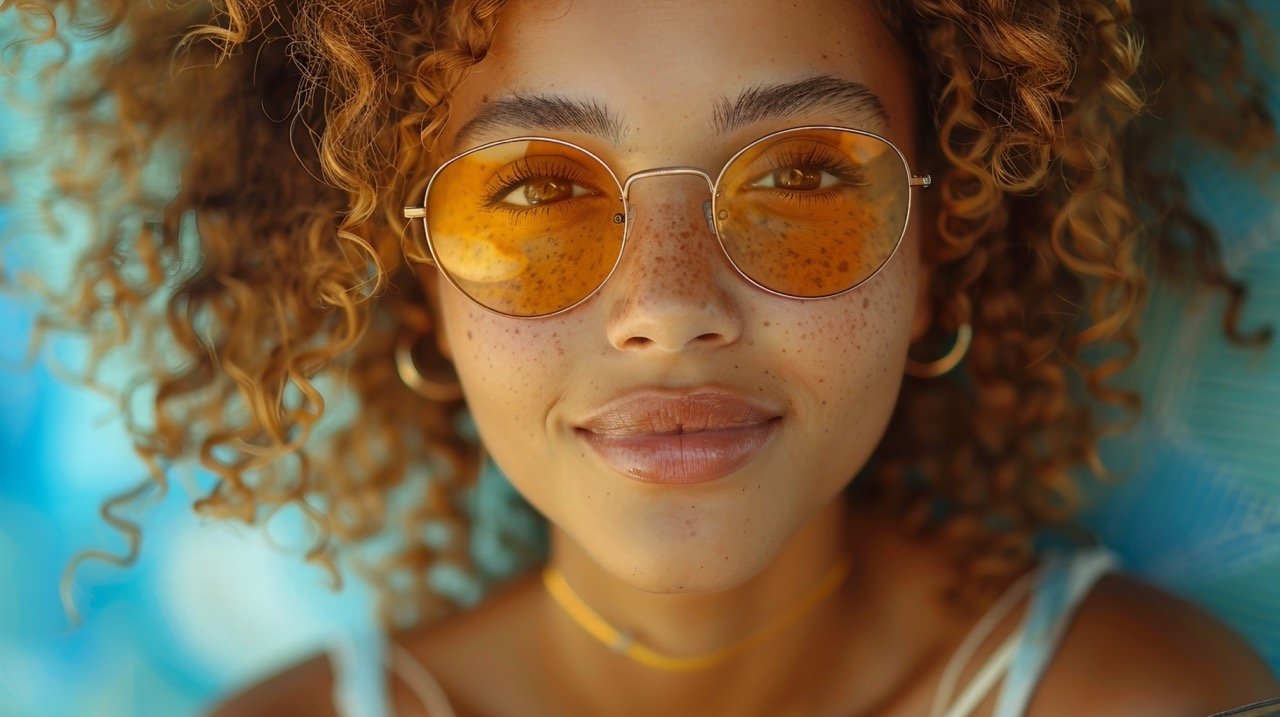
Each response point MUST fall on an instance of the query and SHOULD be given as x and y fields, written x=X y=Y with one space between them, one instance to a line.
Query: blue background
x=209 y=605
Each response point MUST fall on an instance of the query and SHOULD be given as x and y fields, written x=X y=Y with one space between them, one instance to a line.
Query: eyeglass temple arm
x=419 y=213
x=923 y=182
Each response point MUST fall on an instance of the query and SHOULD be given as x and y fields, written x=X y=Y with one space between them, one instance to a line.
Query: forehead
x=661 y=68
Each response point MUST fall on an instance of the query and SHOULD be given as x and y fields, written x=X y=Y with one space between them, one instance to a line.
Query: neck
x=682 y=624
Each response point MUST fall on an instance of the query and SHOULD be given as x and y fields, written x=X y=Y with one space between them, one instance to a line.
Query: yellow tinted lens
x=526 y=227
x=813 y=212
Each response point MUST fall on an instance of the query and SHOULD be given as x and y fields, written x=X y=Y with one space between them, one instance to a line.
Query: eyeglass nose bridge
x=669 y=172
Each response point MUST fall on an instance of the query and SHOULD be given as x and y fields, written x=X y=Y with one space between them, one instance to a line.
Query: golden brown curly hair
x=242 y=165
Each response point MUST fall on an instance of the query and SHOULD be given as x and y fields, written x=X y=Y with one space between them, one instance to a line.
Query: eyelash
x=821 y=160
x=516 y=174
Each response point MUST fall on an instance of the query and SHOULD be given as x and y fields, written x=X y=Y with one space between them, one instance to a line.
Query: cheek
x=847 y=354
x=869 y=326
x=513 y=373
x=496 y=353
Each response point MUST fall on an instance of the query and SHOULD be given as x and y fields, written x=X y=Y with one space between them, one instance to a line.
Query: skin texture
x=697 y=567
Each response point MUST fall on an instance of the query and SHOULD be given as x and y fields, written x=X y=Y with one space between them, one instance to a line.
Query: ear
x=431 y=286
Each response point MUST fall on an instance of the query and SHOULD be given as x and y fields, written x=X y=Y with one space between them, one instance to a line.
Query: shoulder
x=303 y=688
x=498 y=642
x=459 y=653
x=1133 y=648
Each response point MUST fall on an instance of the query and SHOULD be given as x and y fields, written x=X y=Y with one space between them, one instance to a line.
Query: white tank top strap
x=359 y=683
x=991 y=671
x=1058 y=585
x=943 y=706
x=421 y=682
x=360 y=662
x=1046 y=622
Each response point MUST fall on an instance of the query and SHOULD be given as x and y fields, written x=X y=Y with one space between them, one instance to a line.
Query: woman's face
x=578 y=408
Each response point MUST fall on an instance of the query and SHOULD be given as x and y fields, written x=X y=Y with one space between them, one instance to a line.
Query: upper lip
x=662 y=411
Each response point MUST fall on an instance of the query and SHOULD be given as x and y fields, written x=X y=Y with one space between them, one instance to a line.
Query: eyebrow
x=558 y=113
x=554 y=113
x=823 y=92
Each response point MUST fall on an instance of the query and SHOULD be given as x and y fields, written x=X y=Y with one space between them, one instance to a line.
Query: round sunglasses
x=533 y=226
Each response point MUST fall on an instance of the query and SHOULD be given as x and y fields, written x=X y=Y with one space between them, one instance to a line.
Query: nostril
x=642 y=342
x=637 y=342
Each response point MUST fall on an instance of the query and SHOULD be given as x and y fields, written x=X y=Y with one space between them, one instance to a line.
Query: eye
x=798 y=179
x=539 y=191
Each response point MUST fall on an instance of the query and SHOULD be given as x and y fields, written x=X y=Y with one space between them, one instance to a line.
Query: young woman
x=681 y=257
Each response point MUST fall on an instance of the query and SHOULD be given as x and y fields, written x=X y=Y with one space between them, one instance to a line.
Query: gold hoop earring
x=934 y=369
x=443 y=391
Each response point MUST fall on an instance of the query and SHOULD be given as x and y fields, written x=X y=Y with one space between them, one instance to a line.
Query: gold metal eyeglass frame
x=708 y=207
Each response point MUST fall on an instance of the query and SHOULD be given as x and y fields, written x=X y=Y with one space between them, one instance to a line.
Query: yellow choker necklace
x=625 y=644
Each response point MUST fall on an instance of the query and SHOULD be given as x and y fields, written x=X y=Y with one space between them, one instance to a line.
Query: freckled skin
x=677 y=314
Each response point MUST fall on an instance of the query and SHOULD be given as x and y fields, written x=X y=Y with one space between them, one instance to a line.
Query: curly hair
x=243 y=164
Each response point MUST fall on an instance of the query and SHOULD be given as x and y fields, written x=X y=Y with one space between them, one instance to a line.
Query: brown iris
x=797 y=178
x=545 y=190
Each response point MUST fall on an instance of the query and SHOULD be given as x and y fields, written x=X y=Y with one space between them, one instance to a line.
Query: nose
x=674 y=289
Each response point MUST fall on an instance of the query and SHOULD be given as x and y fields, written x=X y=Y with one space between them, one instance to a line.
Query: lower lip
x=683 y=459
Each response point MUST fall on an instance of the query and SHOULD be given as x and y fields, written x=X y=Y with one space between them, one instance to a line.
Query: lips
x=657 y=437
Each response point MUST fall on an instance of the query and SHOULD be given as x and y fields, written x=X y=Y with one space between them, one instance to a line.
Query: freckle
x=866 y=302
x=468 y=334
